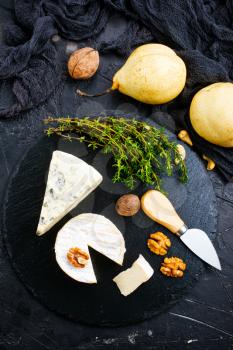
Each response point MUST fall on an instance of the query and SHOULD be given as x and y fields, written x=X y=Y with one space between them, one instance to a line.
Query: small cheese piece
x=70 y=180
x=88 y=230
x=129 y=280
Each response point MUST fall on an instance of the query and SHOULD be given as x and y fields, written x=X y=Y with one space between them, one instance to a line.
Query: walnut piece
x=210 y=163
x=182 y=153
x=158 y=243
x=77 y=257
x=184 y=136
x=173 y=267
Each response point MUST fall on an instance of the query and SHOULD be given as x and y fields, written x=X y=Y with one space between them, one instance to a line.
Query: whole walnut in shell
x=128 y=205
x=83 y=63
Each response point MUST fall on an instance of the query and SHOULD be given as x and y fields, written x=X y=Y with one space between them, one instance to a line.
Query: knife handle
x=158 y=207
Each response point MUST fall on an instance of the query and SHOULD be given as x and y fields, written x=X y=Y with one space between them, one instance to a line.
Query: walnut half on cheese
x=84 y=231
x=129 y=280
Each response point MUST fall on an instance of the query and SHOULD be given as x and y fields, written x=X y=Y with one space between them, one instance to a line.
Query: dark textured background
x=202 y=320
x=102 y=304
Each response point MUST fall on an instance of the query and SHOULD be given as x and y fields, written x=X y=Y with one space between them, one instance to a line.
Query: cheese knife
x=158 y=207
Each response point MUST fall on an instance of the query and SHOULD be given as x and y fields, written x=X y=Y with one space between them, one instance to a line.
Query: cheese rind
x=67 y=238
x=88 y=230
x=129 y=280
x=70 y=180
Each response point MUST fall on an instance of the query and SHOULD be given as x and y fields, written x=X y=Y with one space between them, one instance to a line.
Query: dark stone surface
x=102 y=304
x=203 y=319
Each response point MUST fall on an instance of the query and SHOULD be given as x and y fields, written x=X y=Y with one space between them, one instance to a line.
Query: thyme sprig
x=140 y=151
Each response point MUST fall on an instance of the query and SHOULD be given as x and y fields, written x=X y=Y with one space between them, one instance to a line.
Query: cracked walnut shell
x=77 y=257
x=83 y=63
x=158 y=243
x=173 y=267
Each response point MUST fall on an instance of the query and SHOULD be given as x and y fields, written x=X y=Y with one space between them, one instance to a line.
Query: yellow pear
x=211 y=113
x=152 y=74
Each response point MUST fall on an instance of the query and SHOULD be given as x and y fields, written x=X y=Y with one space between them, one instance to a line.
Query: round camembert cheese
x=88 y=230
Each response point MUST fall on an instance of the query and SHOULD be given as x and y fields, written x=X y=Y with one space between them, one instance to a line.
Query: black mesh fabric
x=201 y=32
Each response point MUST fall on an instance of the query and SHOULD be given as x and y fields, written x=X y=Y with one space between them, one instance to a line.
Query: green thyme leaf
x=140 y=151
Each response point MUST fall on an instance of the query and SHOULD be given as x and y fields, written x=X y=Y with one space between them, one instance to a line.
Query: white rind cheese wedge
x=129 y=280
x=88 y=230
x=70 y=180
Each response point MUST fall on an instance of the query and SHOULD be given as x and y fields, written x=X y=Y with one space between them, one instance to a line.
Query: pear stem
x=82 y=93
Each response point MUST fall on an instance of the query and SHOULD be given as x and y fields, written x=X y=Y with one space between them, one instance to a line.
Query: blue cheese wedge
x=129 y=280
x=88 y=230
x=70 y=180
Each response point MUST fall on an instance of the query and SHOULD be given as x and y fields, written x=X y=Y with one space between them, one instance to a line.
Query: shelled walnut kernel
x=158 y=243
x=77 y=257
x=173 y=267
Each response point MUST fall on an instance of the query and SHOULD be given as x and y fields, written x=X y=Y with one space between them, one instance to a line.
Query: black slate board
x=101 y=304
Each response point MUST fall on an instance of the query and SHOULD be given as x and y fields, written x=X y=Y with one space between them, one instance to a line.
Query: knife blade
x=158 y=207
